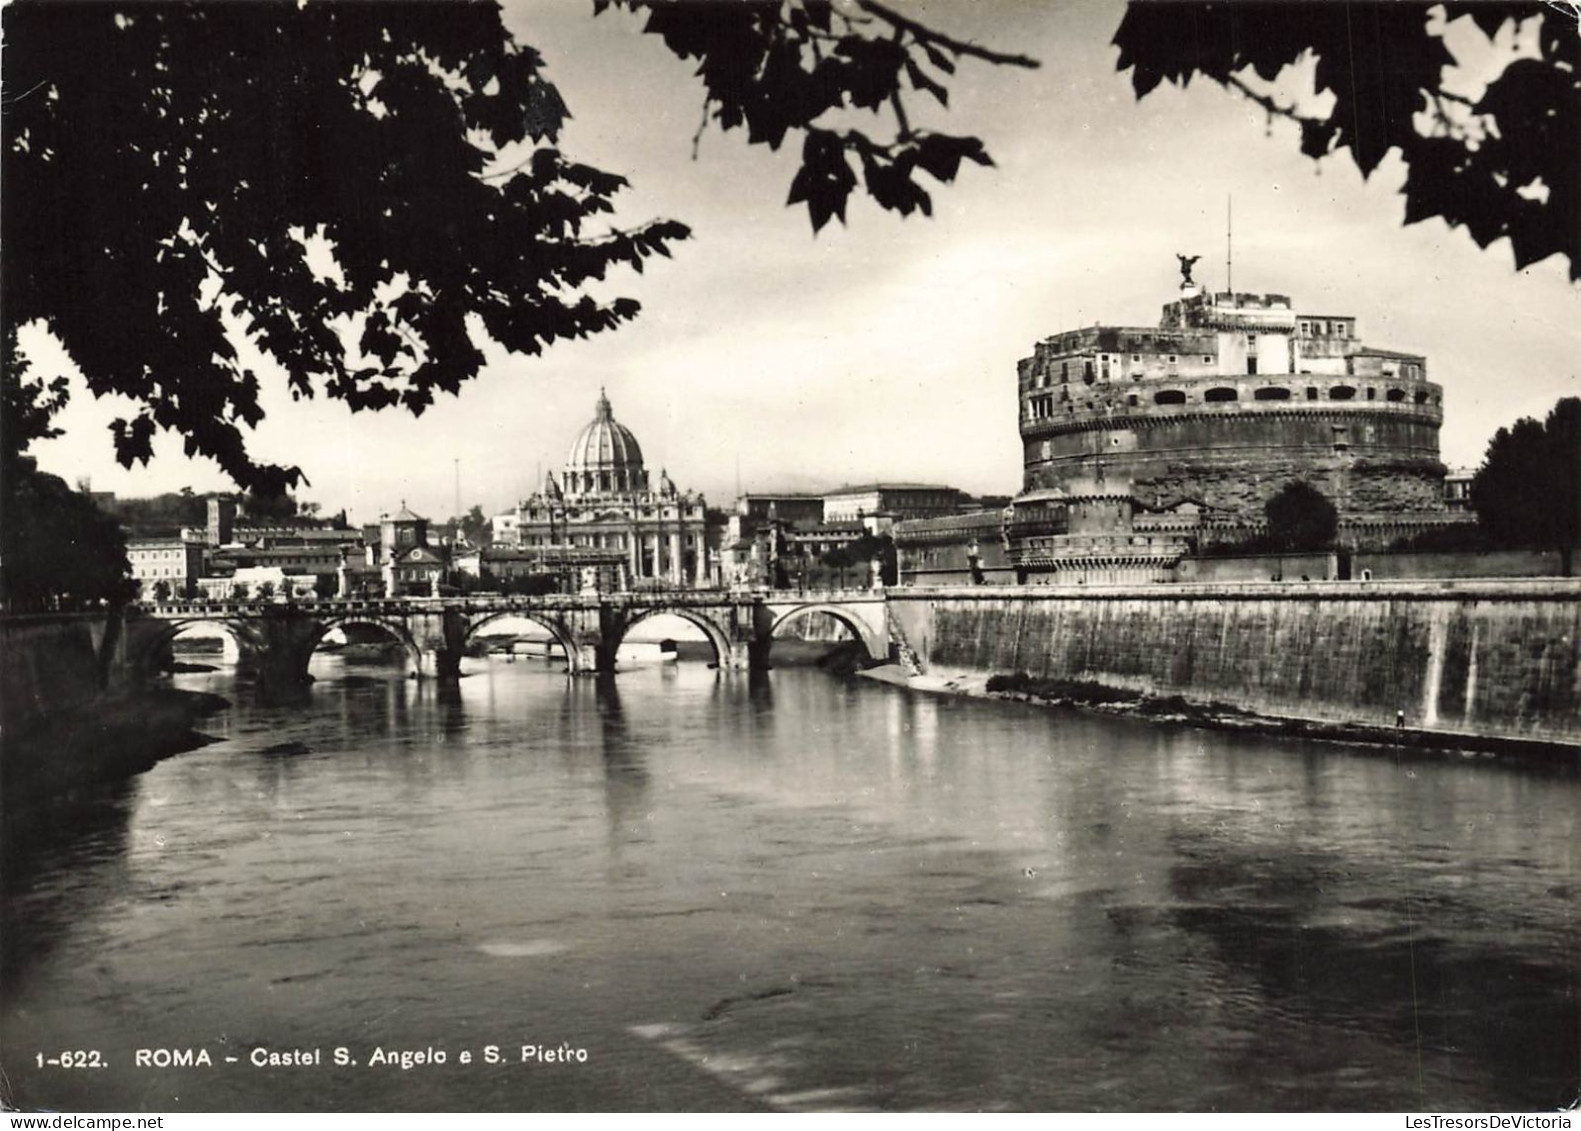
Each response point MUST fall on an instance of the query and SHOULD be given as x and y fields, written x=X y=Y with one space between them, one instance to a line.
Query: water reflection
x=760 y=686
x=452 y=709
x=785 y=891
x=58 y=856
x=625 y=777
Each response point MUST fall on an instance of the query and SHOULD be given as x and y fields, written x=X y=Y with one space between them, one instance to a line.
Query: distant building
x=320 y=560
x=1457 y=488
x=795 y=509
x=781 y=541
x=104 y=500
x=1144 y=445
x=399 y=551
x=1227 y=400
x=755 y=535
x=415 y=571
x=255 y=582
x=891 y=502
x=175 y=562
x=504 y=528
x=399 y=533
x=293 y=535
x=603 y=501
x=222 y=521
x=560 y=569
x=817 y=539
x=961 y=549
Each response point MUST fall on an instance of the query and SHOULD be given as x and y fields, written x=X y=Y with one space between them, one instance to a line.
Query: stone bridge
x=279 y=638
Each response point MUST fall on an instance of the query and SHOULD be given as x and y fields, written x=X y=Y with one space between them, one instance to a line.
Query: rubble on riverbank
x=1087 y=695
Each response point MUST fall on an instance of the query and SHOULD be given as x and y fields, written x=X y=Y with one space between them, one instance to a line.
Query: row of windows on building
x=545 y=514
x=1089 y=374
x=1042 y=408
x=600 y=541
x=1411 y=371
x=1408 y=371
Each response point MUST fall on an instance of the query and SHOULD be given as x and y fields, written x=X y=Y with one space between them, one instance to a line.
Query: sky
x=886 y=349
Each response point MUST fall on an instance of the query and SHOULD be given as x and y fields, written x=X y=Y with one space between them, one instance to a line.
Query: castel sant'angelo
x=1140 y=442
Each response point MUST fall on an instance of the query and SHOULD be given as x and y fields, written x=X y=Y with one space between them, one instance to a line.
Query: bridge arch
x=152 y=638
x=396 y=629
x=557 y=631
x=717 y=636
x=877 y=647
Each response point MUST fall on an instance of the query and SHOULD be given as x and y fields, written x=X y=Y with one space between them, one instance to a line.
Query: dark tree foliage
x=880 y=548
x=160 y=515
x=26 y=407
x=57 y=549
x=528 y=585
x=837 y=560
x=1300 y=519
x=1507 y=163
x=475 y=527
x=167 y=164
x=859 y=553
x=269 y=506
x=777 y=68
x=1527 y=493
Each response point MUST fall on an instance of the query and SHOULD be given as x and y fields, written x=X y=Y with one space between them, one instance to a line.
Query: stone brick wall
x=1500 y=658
x=1259 y=567
x=1236 y=462
x=1497 y=563
x=48 y=664
x=1241 y=489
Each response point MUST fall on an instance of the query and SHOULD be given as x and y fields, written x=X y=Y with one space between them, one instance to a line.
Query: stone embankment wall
x=53 y=664
x=76 y=707
x=1466 y=564
x=1265 y=567
x=1496 y=658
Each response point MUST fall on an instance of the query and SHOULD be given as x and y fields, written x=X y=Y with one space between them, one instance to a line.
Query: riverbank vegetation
x=1091 y=695
x=1088 y=693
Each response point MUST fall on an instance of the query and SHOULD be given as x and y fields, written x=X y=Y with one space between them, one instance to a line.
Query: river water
x=707 y=891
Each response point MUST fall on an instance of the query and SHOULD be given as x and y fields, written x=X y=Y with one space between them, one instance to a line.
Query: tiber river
x=688 y=889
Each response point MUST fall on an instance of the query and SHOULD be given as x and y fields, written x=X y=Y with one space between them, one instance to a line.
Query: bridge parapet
x=739 y=623
x=646 y=599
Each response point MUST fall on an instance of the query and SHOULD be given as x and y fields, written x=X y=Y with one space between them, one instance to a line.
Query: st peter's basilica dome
x=604 y=456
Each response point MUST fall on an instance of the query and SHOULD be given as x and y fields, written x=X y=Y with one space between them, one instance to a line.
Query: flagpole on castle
x=1229 y=244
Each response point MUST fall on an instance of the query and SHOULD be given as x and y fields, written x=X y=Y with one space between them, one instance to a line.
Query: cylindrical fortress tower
x=1228 y=399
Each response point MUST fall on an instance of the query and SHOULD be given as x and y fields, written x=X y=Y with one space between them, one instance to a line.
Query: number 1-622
x=72 y=1058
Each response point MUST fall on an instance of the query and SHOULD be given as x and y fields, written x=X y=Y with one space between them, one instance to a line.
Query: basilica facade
x=603 y=501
